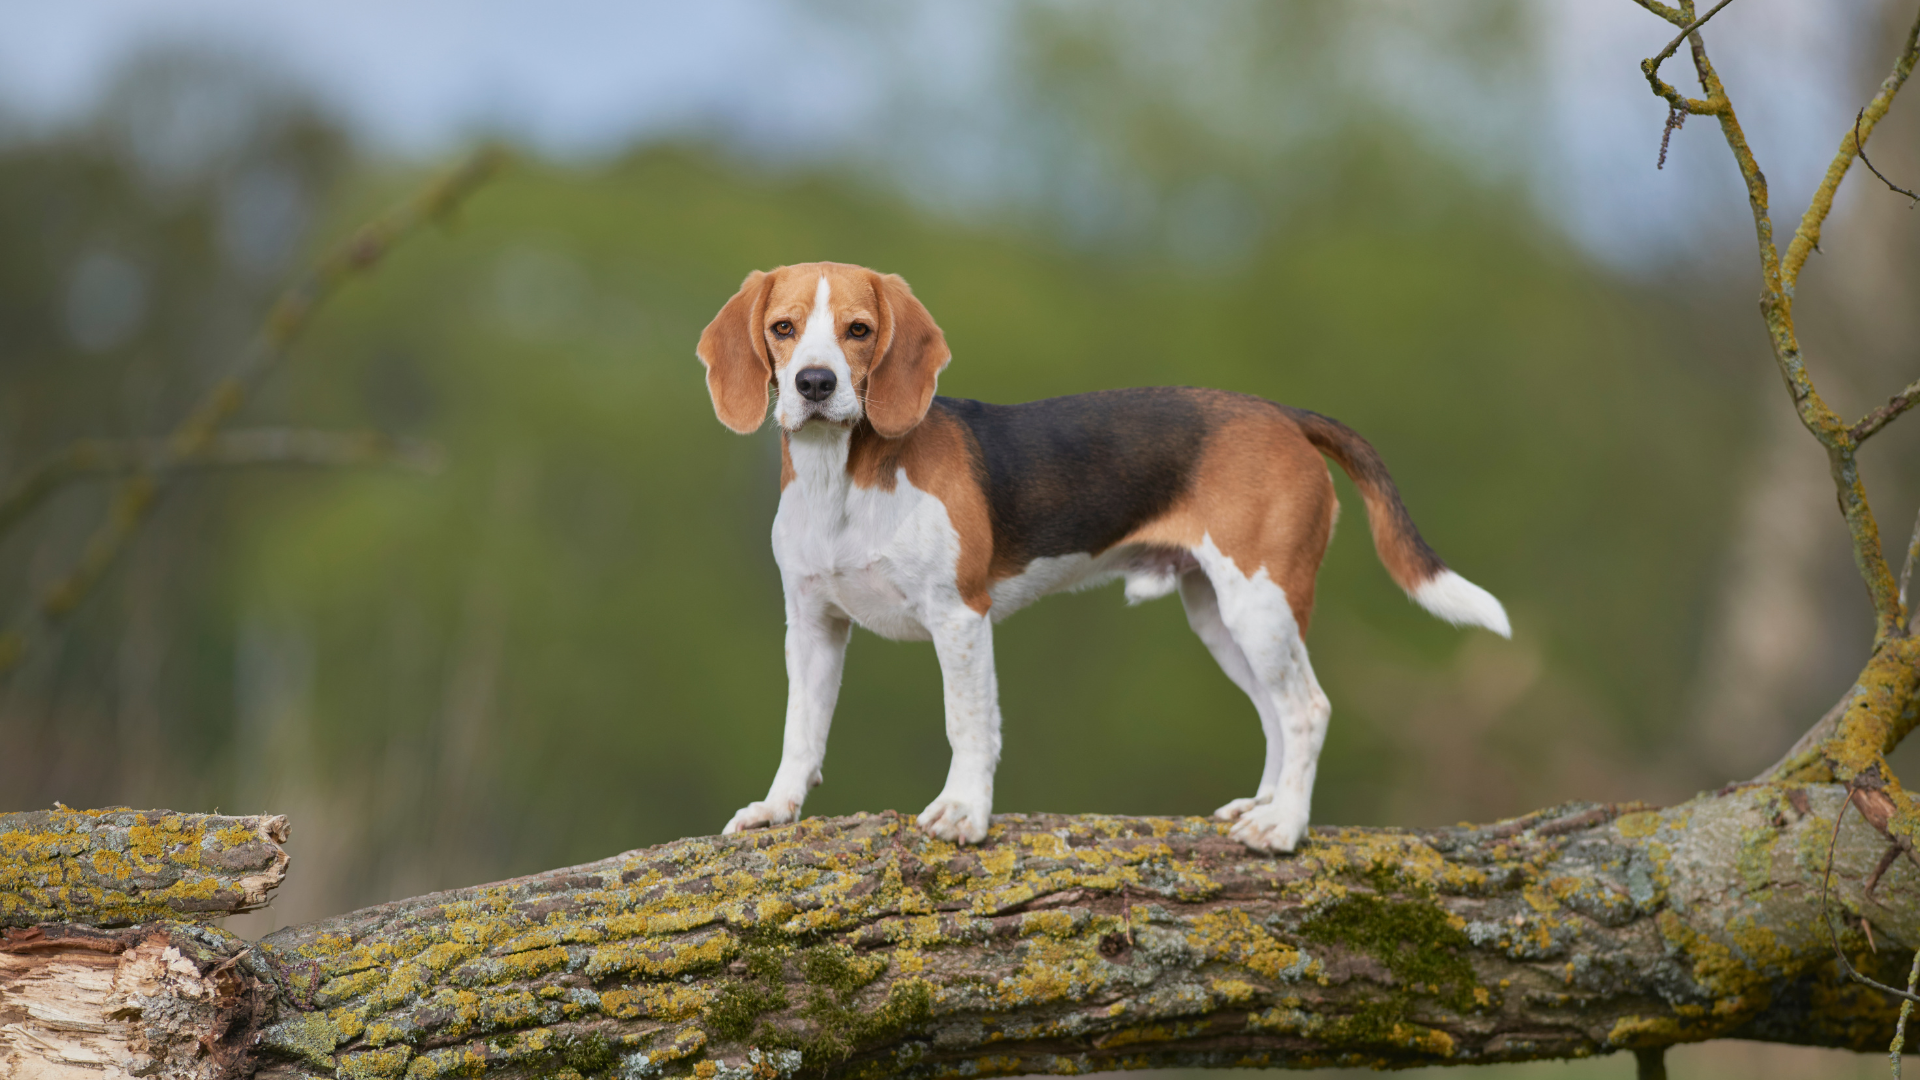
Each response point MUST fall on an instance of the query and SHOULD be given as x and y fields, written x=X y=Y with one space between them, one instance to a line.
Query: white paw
x=762 y=814
x=1273 y=827
x=1234 y=810
x=963 y=821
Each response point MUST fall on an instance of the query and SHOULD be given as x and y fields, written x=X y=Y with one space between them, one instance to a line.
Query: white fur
x=1247 y=623
x=884 y=559
x=1462 y=603
x=819 y=346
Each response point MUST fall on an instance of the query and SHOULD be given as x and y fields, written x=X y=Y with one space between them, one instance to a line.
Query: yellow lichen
x=1230 y=935
x=1637 y=826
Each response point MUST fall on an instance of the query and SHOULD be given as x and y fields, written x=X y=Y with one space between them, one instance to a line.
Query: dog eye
x=783 y=328
x=858 y=329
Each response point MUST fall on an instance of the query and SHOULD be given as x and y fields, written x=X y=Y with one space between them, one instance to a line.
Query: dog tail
x=1412 y=564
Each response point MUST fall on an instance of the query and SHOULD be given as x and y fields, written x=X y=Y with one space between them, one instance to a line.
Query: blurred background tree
x=567 y=643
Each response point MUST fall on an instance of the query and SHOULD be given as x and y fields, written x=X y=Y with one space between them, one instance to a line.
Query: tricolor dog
x=932 y=518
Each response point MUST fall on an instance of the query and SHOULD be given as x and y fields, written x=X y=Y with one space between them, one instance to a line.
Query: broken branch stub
x=117 y=867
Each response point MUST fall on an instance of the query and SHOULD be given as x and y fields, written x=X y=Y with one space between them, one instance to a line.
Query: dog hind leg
x=1255 y=611
x=1203 y=615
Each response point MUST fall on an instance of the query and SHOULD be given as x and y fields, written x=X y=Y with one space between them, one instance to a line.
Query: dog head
x=836 y=342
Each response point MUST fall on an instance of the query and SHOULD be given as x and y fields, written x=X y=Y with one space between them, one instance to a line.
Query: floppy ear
x=912 y=350
x=735 y=353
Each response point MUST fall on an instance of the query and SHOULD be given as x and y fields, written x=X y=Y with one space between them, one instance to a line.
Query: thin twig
x=1807 y=235
x=1826 y=915
x=1661 y=57
x=1650 y=1063
x=290 y=315
x=1885 y=414
x=1880 y=870
x=87 y=458
x=1860 y=147
x=1906 y=1010
x=1906 y=571
x=1672 y=14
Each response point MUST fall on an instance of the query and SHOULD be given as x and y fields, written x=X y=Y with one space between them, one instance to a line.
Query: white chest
x=883 y=558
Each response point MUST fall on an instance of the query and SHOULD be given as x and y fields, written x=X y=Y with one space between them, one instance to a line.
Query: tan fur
x=894 y=366
x=738 y=367
x=1262 y=493
x=911 y=353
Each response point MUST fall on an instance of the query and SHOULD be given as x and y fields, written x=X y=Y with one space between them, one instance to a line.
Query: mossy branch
x=859 y=947
x=116 y=867
x=195 y=436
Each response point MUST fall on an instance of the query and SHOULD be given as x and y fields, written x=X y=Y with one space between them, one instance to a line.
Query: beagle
x=932 y=518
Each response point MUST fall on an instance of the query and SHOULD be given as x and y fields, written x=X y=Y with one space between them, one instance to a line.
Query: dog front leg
x=963 y=638
x=816 y=654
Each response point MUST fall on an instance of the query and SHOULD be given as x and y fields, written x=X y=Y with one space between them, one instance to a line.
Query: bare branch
x=1885 y=414
x=1906 y=1010
x=1861 y=145
x=1906 y=571
x=1807 y=236
x=88 y=458
x=1672 y=14
x=1826 y=916
x=1779 y=274
x=1806 y=750
x=1661 y=57
x=298 y=446
x=1650 y=67
x=290 y=315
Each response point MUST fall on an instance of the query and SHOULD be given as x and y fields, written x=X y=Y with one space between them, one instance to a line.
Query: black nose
x=815 y=383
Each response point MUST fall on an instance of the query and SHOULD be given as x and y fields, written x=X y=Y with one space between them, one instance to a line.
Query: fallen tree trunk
x=859 y=947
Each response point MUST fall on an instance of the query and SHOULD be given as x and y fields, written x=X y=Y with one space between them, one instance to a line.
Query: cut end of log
x=80 y=1004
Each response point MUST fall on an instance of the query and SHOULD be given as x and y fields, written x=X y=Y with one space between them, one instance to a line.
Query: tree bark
x=118 y=866
x=859 y=947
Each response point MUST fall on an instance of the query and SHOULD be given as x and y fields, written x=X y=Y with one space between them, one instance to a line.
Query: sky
x=578 y=78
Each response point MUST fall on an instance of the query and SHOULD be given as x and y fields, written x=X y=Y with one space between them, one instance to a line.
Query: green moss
x=588 y=1054
x=308 y=1036
x=1386 y=878
x=835 y=968
x=1415 y=940
x=838 y=1028
x=738 y=1005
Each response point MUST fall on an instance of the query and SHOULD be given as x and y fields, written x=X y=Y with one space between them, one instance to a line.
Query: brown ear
x=912 y=350
x=735 y=352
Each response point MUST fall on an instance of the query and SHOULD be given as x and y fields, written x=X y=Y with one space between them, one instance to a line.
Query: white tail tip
x=1462 y=603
